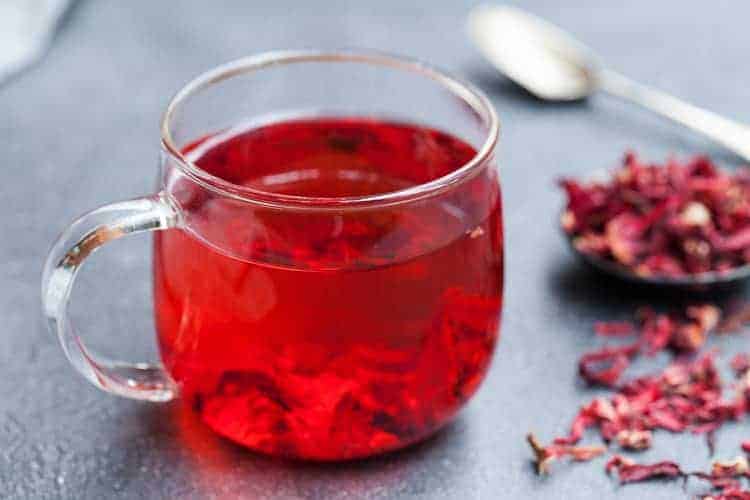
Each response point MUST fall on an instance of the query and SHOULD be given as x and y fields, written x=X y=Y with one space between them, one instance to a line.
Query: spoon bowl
x=699 y=281
x=533 y=53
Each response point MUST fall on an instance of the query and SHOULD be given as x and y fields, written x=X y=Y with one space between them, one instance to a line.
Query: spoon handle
x=731 y=134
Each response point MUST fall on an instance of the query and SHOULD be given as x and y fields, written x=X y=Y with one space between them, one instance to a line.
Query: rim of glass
x=462 y=90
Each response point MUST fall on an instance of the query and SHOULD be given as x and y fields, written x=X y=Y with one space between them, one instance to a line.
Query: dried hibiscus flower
x=665 y=220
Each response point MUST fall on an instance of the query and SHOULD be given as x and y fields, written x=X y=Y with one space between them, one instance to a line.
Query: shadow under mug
x=345 y=358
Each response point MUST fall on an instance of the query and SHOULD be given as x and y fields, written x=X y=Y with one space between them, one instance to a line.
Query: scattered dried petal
x=614 y=328
x=616 y=462
x=707 y=315
x=730 y=468
x=656 y=332
x=604 y=367
x=667 y=420
x=740 y=364
x=634 y=440
x=720 y=483
x=544 y=455
x=631 y=472
x=735 y=319
x=690 y=338
x=729 y=494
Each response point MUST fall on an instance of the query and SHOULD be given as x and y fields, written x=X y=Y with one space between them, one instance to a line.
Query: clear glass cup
x=330 y=359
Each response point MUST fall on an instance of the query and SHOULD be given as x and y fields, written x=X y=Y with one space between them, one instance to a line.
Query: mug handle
x=133 y=380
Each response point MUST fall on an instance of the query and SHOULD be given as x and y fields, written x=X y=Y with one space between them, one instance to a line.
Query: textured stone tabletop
x=80 y=129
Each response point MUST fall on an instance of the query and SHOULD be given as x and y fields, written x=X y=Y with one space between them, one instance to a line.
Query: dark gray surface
x=80 y=129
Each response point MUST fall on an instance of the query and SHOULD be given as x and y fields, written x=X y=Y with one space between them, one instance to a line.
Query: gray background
x=80 y=129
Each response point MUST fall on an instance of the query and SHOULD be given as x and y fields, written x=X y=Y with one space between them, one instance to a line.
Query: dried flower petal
x=602 y=409
x=729 y=494
x=616 y=462
x=695 y=213
x=740 y=364
x=657 y=332
x=568 y=221
x=544 y=455
x=598 y=411
x=689 y=338
x=707 y=315
x=730 y=468
x=631 y=472
x=668 y=420
x=605 y=366
x=735 y=318
x=692 y=335
x=720 y=483
x=624 y=234
x=734 y=494
x=634 y=440
x=614 y=328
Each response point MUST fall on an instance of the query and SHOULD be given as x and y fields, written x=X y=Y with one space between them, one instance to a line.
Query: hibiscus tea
x=331 y=334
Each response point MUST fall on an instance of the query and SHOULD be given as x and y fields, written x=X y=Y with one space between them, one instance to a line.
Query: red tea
x=333 y=334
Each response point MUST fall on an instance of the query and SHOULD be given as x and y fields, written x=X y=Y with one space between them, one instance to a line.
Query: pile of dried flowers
x=665 y=220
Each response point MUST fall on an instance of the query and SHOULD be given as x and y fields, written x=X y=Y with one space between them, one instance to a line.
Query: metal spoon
x=553 y=66
x=696 y=282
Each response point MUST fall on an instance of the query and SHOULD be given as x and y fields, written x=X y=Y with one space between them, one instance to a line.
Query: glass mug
x=327 y=257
